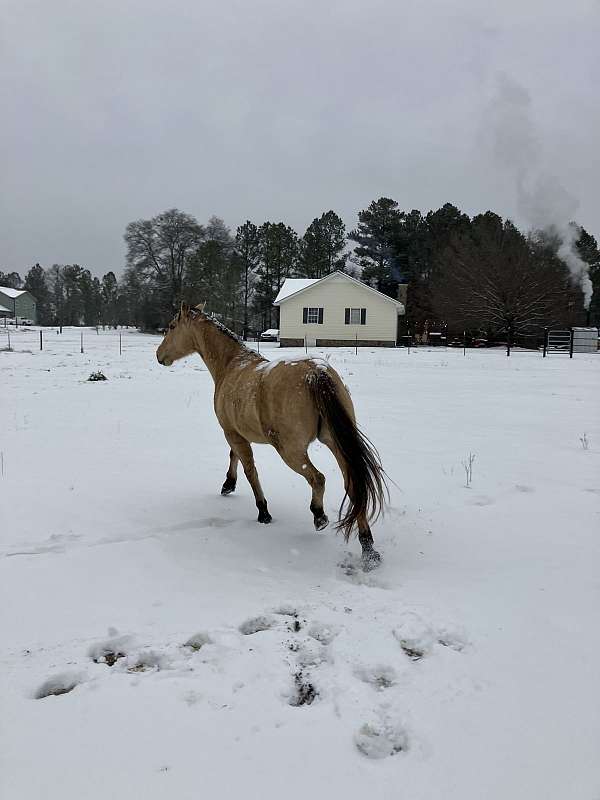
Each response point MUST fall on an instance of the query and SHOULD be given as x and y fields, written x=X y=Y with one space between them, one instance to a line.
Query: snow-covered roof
x=12 y=292
x=292 y=285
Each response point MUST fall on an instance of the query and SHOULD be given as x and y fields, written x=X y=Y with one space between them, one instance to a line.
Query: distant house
x=336 y=310
x=19 y=303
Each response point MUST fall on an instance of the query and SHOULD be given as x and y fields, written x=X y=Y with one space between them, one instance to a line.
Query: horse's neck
x=216 y=348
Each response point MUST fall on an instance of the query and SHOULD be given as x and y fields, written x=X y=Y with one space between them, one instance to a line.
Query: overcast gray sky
x=116 y=110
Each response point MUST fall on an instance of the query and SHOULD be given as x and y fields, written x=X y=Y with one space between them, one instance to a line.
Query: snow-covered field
x=465 y=668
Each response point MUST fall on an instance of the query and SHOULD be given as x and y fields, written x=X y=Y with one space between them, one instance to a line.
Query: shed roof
x=12 y=292
x=4 y=310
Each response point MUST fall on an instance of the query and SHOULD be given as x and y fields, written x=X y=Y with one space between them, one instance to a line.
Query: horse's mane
x=195 y=314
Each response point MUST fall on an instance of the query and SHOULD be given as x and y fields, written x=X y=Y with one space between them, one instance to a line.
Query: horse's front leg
x=231 y=477
x=241 y=448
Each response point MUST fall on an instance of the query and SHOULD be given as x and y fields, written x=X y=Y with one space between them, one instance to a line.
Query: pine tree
x=322 y=247
x=110 y=299
x=36 y=283
x=91 y=297
x=247 y=243
x=377 y=236
x=278 y=245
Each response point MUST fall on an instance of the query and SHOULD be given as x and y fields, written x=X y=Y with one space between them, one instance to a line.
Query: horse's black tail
x=366 y=488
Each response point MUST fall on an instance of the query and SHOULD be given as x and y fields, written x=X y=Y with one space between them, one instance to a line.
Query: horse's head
x=179 y=340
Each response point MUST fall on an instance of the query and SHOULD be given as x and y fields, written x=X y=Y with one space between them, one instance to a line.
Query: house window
x=312 y=316
x=356 y=316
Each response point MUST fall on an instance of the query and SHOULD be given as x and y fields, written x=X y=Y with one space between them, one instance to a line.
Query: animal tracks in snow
x=289 y=659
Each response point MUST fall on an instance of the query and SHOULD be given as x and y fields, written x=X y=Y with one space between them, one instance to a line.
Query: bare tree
x=496 y=279
x=161 y=246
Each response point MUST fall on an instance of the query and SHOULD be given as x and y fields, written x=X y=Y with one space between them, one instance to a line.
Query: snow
x=158 y=642
x=11 y=292
x=292 y=285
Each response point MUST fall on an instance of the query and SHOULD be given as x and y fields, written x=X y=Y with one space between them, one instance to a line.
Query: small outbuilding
x=336 y=311
x=19 y=303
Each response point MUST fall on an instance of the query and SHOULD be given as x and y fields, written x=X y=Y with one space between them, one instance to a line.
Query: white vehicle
x=271 y=335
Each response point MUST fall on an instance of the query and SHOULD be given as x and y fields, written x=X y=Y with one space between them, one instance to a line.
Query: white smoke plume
x=542 y=201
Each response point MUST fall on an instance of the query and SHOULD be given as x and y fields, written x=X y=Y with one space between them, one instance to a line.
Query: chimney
x=402 y=293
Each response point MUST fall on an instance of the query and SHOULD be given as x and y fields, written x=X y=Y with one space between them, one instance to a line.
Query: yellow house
x=335 y=311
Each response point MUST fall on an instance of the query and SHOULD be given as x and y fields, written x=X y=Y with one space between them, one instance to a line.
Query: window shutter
x=347 y=317
x=305 y=315
x=363 y=316
x=320 y=316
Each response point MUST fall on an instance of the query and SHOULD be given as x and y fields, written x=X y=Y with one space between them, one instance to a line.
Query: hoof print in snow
x=304 y=691
x=380 y=740
x=256 y=624
x=452 y=641
x=63 y=683
x=286 y=611
x=110 y=650
x=197 y=641
x=350 y=565
x=97 y=376
x=295 y=626
x=110 y=658
x=322 y=633
x=414 y=652
x=379 y=677
x=147 y=661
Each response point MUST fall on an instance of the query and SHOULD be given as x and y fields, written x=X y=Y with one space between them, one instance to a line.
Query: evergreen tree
x=110 y=299
x=36 y=283
x=278 y=247
x=587 y=250
x=213 y=274
x=247 y=244
x=12 y=280
x=91 y=298
x=322 y=247
x=57 y=293
x=377 y=236
x=73 y=301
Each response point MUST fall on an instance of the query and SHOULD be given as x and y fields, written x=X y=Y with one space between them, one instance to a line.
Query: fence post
x=356 y=345
x=41 y=342
x=120 y=347
x=545 y=342
x=305 y=345
x=9 y=347
x=508 y=341
x=571 y=344
x=464 y=343
x=82 y=341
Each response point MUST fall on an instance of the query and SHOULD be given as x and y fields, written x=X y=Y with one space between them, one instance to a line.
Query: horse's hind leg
x=231 y=477
x=241 y=448
x=370 y=557
x=299 y=461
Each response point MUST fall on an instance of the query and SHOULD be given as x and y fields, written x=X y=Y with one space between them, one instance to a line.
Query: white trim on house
x=292 y=283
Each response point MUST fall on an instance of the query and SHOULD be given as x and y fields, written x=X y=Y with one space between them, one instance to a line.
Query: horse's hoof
x=321 y=522
x=228 y=487
x=371 y=559
x=265 y=517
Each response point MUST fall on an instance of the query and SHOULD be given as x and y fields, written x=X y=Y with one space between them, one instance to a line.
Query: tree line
x=479 y=274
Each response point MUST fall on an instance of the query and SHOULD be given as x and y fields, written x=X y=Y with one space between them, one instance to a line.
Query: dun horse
x=287 y=404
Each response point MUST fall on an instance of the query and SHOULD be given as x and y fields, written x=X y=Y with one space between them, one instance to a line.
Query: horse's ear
x=200 y=306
